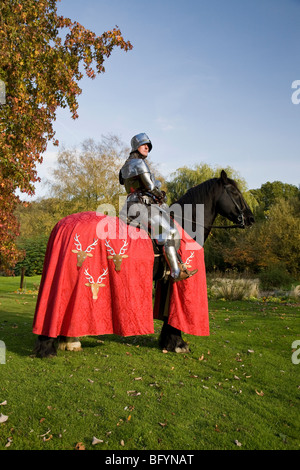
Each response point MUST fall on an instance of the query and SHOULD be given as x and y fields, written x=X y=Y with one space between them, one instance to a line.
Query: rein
x=240 y=225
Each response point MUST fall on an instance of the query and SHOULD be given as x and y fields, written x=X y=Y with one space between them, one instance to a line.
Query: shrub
x=275 y=277
x=34 y=258
x=235 y=289
x=295 y=292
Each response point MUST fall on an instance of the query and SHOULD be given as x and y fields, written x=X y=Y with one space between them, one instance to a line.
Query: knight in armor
x=144 y=193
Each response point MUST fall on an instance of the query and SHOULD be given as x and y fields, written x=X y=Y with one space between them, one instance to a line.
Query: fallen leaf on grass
x=9 y=441
x=45 y=439
x=96 y=441
x=4 y=403
x=163 y=424
x=122 y=443
x=79 y=446
x=3 y=418
x=261 y=393
x=43 y=435
x=133 y=393
x=237 y=443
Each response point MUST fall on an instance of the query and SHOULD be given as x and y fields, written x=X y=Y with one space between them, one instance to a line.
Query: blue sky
x=208 y=80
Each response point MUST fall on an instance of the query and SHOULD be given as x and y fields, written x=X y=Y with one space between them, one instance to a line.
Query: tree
x=185 y=178
x=271 y=242
x=89 y=176
x=269 y=193
x=38 y=218
x=41 y=59
x=85 y=178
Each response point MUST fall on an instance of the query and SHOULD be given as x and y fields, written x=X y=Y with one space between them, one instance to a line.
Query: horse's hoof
x=182 y=349
x=69 y=346
x=74 y=346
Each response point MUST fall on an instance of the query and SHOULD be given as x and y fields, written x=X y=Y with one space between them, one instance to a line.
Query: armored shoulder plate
x=134 y=167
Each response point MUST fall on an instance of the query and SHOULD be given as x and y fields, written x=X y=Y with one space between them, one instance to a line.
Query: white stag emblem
x=95 y=286
x=188 y=260
x=117 y=258
x=81 y=255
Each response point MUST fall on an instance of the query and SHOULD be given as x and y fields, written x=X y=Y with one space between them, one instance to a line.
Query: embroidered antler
x=92 y=246
x=81 y=255
x=77 y=242
x=187 y=261
x=89 y=276
x=109 y=248
x=124 y=248
x=103 y=276
x=95 y=285
x=117 y=258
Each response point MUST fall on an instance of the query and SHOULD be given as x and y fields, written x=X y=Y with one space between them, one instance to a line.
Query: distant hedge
x=33 y=262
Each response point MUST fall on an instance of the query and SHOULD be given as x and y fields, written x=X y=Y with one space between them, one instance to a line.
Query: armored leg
x=163 y=230
x=165 y=233
x=172 y=259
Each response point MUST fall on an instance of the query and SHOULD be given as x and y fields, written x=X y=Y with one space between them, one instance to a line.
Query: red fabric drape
x=123 y=303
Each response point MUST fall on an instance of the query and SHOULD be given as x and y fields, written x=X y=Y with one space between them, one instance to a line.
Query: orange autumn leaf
x=43 y=57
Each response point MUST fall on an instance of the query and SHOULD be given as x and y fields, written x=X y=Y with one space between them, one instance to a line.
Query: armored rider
x=146 y=203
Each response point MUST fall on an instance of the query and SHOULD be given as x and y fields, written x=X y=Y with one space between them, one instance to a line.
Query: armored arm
x=136 y=175
x=152 y=185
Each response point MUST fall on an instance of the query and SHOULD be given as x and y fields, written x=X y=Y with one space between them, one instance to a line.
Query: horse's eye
x=234 y=190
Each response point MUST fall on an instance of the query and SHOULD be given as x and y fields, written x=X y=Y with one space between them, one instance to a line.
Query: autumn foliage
x=43 y=57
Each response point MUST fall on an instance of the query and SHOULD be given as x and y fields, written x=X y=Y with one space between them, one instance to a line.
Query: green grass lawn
x=237 y=389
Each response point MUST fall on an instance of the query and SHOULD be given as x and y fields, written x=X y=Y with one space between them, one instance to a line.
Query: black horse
x=219 y=196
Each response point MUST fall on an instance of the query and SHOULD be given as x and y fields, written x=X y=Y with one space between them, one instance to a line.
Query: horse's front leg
x=171 y=340
x=45 y=346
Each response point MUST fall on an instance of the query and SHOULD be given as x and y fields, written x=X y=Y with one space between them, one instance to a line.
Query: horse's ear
x=224 y=176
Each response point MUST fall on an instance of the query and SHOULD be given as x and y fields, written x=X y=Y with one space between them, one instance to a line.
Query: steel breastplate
x=130 y=173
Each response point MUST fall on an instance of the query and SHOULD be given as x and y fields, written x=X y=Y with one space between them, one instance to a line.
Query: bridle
x=241 y=217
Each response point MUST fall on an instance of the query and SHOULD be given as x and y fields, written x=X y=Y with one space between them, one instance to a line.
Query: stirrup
x=184 y=273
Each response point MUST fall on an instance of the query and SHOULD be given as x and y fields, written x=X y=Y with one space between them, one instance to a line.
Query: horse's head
x=231 y=203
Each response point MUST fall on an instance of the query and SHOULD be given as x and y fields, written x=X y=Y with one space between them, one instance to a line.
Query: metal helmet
x=140 y=139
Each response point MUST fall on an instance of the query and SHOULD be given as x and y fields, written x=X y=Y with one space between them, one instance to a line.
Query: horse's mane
x=198 y=193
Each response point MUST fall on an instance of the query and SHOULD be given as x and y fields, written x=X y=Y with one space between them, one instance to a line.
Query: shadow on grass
x=144 y=341
x=20 y=340
x=16 y=319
